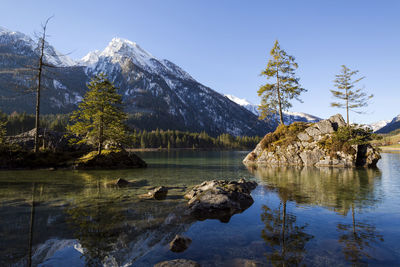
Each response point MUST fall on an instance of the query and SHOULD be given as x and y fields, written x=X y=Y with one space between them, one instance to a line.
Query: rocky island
x=328 y=143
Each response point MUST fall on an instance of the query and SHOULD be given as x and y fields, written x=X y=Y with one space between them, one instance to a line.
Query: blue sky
x=225 y=44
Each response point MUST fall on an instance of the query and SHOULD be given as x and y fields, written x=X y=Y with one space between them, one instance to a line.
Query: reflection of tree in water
x=286 y=239
x=335 y=189
x=340 y=190
x=357 y=238
x=97 y=226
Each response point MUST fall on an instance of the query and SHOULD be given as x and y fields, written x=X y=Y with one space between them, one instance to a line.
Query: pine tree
x=350 y=97
x=99 y=118
x=276 y=96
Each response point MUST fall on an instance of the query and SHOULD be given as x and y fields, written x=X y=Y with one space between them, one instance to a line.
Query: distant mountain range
x=288 y=116
x=386 y=126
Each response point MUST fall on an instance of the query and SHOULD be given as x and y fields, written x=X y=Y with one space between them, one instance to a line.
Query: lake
x=301 y=216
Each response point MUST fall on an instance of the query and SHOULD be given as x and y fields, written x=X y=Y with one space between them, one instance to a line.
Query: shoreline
x=183 y=149
x=390 y=149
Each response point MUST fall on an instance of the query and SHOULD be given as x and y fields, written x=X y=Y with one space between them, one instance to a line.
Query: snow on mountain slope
x=289 y=117
x=23 y=44
x=244 y=103
x=376 y=126
x=119 y=50
x=392 y=125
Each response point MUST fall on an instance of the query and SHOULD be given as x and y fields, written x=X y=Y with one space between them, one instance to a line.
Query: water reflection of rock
x=333 y=188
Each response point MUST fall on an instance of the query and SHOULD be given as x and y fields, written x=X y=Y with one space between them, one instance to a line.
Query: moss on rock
x=109 y=159
x=283 y=135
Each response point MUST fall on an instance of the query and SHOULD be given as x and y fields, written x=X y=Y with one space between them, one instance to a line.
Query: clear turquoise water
x=301 y=216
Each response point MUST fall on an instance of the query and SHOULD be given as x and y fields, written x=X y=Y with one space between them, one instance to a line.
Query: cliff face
x=306 y=145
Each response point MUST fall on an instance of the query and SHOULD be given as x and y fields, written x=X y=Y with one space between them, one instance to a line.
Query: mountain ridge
x=157 y=93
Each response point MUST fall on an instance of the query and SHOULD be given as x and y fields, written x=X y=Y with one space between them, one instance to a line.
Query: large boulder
x=109 y=159
x=305 y=148
x=220 y=199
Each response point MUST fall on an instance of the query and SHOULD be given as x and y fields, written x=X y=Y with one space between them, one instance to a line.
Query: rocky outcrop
x=220 y=199
x=307 y=149
x=178 y=263
x=109 y=159
x=179 y=243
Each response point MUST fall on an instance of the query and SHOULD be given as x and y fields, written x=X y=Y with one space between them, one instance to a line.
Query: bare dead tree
x=42 y=42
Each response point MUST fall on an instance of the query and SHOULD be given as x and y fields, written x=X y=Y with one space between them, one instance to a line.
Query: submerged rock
x=158 y=193
x=302 y=144
x=179 y=243
x=220 y=199
x=124 y=183
x=109 y=159
x=178 y=263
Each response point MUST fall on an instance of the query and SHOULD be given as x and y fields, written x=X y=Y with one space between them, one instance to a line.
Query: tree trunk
x=37 y=124
x=347 y=107
x=100 y=146
x=354 y=220
x=279 y=98
x=32 y=220
x=283 y=233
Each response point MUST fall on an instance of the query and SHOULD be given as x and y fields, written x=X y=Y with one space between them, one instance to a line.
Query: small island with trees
x=328 y=143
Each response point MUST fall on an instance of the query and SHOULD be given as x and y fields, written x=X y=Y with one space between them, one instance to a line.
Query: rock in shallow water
x=158 y=193
x=180 y=243
x=220 y=199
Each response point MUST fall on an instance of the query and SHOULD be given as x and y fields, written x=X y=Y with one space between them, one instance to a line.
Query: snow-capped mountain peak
x=91 y=58
x=237 y=100
x=120 y=50
x=125 y=48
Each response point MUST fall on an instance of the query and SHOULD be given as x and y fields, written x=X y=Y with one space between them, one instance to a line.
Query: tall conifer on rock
x=350 y=98
x=284 y=86
x=99 y=118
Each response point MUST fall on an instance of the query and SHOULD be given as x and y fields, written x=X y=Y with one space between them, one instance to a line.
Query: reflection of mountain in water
x=117 y=233
x=101 y=223
x=332 y=188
